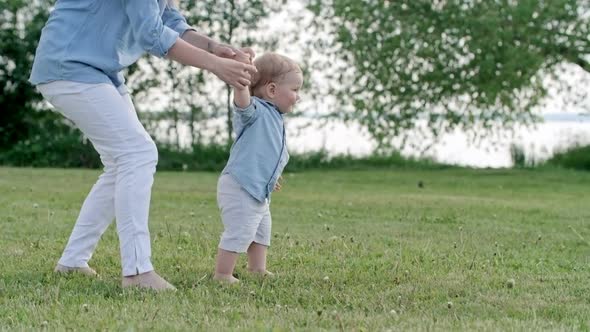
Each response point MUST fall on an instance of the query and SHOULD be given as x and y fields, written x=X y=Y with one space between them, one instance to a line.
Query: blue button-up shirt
x=259 y=153
x=91 y=41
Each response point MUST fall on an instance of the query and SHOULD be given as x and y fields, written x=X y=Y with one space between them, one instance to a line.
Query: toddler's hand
x=278 y=185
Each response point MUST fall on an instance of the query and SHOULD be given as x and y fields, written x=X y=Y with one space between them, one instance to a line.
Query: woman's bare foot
x=226 y=278
x=87 y=271
x=149 y=280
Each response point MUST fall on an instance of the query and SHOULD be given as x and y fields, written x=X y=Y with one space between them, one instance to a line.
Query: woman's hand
x=244 y=55
x=232 y=72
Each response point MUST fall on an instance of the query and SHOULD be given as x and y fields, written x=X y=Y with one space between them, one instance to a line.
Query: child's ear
x=271 y=89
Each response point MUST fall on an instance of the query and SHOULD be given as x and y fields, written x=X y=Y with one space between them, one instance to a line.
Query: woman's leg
x=109 y=121
x=96 y=215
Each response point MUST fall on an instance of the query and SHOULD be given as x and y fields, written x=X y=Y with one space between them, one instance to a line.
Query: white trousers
x=108 y=119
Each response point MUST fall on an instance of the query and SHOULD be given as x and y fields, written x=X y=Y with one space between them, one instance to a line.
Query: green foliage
x=202 y=157
x=577 y=157
x=472 y=65
x=517 y=155
x=54 y=144
x=321 y=160
x=213 y=157
x=20 y=28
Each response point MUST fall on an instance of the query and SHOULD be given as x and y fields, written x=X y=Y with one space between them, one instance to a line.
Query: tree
x=470 y=64
x=20 y=29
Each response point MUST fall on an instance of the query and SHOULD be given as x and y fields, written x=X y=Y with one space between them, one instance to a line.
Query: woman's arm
x=177 y=22
x=204 y=42
x=161 y=40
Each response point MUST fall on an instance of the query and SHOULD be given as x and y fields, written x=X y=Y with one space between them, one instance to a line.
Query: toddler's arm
x=242 y=97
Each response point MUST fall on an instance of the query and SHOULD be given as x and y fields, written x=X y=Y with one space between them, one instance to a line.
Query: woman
x=84 y=46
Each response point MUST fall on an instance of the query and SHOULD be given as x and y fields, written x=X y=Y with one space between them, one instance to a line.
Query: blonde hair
x=272 y=67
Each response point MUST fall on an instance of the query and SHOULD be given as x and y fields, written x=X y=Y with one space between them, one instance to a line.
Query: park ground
x=383 y=249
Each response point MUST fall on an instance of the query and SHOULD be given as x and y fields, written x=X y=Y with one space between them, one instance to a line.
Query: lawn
x=352 y=250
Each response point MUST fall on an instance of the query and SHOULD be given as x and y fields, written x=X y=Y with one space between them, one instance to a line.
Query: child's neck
x=270 y=101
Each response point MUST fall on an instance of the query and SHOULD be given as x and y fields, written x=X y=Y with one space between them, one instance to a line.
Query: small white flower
x=449 y=304
x=35 y=205
x=326 y=278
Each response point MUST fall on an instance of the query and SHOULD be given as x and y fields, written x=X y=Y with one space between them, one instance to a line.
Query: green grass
x=394 y=254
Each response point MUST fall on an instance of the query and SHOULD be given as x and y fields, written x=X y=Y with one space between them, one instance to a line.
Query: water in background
x=558 y=132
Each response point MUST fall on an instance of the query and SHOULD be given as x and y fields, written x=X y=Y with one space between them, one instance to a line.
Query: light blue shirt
x=91 y=41
x=259 y=153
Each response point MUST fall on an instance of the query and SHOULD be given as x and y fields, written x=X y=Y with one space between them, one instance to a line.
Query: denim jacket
x=259 y=153
x=91 y=41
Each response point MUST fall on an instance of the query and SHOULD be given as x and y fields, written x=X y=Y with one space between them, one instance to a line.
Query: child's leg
x=257 y=258
x=224 y=266
x=258 y=248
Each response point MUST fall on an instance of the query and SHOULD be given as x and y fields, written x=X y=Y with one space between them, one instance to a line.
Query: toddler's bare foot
x=226 y=278
x=262 y=273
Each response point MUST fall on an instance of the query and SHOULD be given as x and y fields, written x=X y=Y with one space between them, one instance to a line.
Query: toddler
x=257 y=159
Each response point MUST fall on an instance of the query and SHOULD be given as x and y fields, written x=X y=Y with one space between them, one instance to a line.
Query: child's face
x=286 y=93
